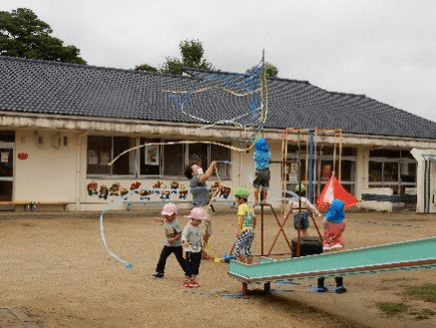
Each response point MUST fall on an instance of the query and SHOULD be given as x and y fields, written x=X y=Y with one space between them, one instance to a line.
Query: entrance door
x=429 y=184
x=7 y=145
x=6 y=172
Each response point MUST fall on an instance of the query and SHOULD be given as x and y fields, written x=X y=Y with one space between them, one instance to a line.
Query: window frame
x=399 y=184
x=139 y=159
x=111 y=175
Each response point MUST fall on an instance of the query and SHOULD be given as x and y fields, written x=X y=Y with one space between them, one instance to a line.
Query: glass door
x=7 y=145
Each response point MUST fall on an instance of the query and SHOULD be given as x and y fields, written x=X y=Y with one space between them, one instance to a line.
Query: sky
x=384 y=49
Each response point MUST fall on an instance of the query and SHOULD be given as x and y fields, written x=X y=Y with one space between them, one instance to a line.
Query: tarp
x=333 y=189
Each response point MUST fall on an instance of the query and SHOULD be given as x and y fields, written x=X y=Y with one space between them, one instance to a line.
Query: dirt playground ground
x=55 y=270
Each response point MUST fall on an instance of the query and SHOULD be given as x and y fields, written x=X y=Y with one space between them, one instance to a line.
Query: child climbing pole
x=262 y=159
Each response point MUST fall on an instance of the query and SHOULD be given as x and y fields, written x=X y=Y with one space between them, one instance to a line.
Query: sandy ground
x=55 y=269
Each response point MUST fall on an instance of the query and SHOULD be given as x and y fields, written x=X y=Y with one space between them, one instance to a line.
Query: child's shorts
x=304 y=220
x=244 y=242
x=262 y=178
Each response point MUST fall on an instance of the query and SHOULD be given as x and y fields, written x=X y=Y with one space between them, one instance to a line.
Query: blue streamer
x=244 y=83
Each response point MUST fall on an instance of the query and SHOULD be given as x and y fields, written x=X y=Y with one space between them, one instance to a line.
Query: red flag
x=334 y=190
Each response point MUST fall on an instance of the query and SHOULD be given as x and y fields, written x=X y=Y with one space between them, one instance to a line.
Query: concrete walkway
x=11 y=317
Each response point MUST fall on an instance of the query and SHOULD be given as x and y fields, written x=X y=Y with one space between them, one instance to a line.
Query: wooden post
x=244 y=287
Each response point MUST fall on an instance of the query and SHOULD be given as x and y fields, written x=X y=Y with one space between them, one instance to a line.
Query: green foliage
x=23 y=35
x=392 y=308
x=192 y=56
x=146 y=68
x=172 y=66
x=426 y=292
x=269 y=69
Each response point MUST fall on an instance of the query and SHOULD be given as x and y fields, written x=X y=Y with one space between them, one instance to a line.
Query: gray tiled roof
x=35 y=86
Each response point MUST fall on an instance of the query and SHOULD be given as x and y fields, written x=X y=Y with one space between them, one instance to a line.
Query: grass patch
x=426 y=292
x=429 y=312
x=421 y=317
x=392 y=308
x=425 y=314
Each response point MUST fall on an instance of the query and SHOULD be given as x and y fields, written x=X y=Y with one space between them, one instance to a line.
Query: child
x=334 y=226
x=246 y=226
x=201 y=195
x=306 y=209
x=191 y=239
x=172 y=242
x=262 y=158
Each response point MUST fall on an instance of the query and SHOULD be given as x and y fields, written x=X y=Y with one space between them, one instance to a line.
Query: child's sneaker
x=340 y=289
x=336 y=246
x=194 y=283
x=158 y=275
x=187 y=283
x=321 y=289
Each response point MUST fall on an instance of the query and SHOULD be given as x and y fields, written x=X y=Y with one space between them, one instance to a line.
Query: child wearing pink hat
x=192 y=241
x=172 y=240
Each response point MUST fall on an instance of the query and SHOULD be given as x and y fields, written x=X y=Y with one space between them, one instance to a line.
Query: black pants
x=192 y=263
x=166 y=251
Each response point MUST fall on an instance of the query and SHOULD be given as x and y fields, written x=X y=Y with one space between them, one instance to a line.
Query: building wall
x=56 y=171
x=49 y=172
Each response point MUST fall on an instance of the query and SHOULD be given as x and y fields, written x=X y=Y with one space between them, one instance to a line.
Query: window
x=176 y=157
x=167 y=160
x=174 y=162
x=395 y=169
x=323 y=167
x=102 y=150
x=198 y=153
x=150 y=157
x=222 y=155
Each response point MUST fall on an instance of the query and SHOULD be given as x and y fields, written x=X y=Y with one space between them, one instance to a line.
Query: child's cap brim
x=242 y=192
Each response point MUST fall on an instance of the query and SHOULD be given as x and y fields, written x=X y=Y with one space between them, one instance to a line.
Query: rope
x=216 y=259
x=127 y=264
x=240 y=85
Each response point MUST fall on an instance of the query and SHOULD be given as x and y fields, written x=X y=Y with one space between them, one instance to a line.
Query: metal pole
x=261 y=230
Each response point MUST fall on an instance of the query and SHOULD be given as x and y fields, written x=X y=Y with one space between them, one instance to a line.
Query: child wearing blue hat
x=262 y=159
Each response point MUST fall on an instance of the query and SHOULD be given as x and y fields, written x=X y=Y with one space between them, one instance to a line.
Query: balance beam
x=405 y=255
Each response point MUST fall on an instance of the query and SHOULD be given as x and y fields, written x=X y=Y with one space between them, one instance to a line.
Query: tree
x=192 y=56
x=271 y=70
x=146 y=68
x=23 y=35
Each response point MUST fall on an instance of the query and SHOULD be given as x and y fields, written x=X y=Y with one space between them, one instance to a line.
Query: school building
x=62 y=124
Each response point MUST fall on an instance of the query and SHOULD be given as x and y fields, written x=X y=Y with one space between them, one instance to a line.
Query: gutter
x=190 y=130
